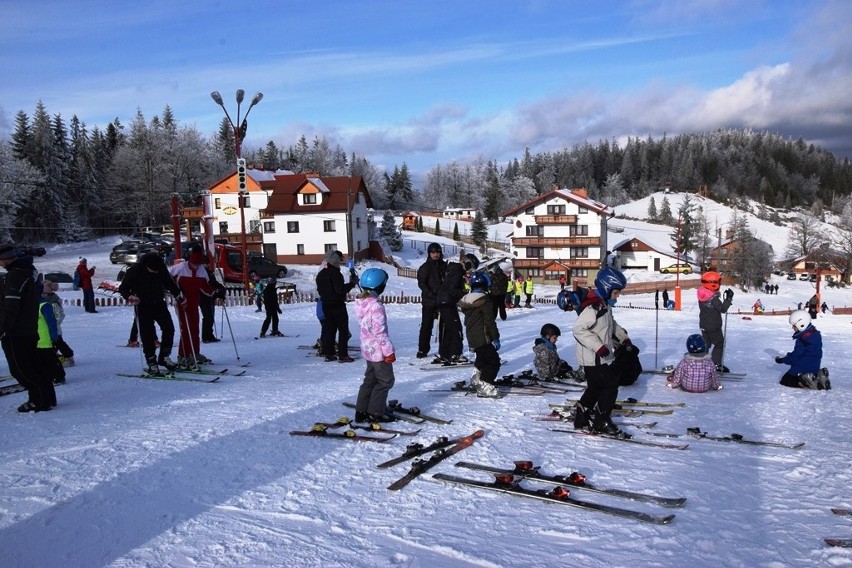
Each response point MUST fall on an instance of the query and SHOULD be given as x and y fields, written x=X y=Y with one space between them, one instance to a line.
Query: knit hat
x=333 y=258
x=50 y=287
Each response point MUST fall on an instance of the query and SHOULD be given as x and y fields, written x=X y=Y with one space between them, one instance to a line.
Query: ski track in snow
x=144 y=473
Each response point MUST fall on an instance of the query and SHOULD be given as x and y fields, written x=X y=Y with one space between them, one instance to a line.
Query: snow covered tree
x=390 y=231
x=479 y=232
x=652 y=209
x=805 y=235
x=666 y=212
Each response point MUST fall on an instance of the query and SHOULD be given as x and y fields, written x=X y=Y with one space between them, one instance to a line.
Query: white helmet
x=800 y=319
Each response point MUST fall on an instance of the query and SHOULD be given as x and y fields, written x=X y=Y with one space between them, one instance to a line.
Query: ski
x=416 y=450
x=444 y=366
x=841 y=542
x=466 y=388
x=634 y=402
x=525 y=469
x=420 y=467
x=398 y=410
x=319 y=431
x=617 y=439
x=622 y=411
x=406 y=417
x=270 y=336
x=531 y=380
x=11 y=389
x=722 y=376
x=508 y=484
x=370 y=426
x=737 y=438
x=513 y=382
x=170 y=377
x=842 y=512
x=557 y=416
x=314 y=347
x=568 y=413
x=199 y=371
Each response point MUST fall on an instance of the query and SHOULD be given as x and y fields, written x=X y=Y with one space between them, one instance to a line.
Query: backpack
x=76 y=282
x=499 y=283
x=626 y=365
x=571 y=299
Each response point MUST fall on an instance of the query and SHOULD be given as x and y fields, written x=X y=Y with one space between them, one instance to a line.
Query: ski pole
x=139 y=334
x=231 y=331
x=189 y=341
x=656 y=327
x=724 y=341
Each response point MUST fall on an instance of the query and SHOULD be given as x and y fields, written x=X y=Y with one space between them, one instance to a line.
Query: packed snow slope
x=146 y=473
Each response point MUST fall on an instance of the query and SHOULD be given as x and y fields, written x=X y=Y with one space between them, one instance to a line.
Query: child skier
x=806 y=357
x=548 y=365
x=710 y=310
x=597 y=335
x=376 y=347
x=483 y=337
x=270 y=303
x=696 y=372
x=47 y=355
x=67 y=354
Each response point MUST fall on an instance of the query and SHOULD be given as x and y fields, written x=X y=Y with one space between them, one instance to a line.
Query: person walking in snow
x=499 y=282
x=49 y=294
x=806 y=357
x=696 y=372
x=548 y=365
x=270 y=302
x=19 y=308
x=48 y=358
x=192 y=279
x=519 y=289
x=528 y=291
x=85 y=275
x=430 y=276
x=483 y=337
x=332 y=291
x=710 y=310
x=597 y=335
x=207 y=305
x=259 y=286
x=376 y=347
x=144 y=287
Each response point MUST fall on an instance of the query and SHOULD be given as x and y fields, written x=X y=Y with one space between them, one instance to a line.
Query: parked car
x=136 y=252
x=791 y=276
x=230 y=259
x=59 y=277
x=812 y=278
x=682 y=268
x=119 y=250
x=803 y=276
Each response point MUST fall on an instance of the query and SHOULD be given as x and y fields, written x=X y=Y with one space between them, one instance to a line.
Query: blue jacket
x=806 y=356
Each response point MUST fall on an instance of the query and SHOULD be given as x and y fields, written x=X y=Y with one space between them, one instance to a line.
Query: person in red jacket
x=86 y=274
x=193 y=281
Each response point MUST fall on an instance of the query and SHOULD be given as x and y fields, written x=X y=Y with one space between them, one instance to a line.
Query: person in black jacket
x=270 y=304
x=207 y=304
x=499 y=285
x=144 y=287
x=332 y=291
x=430 y=276
x=19 y=305
x=452 y=290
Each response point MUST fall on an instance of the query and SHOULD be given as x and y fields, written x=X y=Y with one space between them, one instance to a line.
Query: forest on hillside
x=65 y=182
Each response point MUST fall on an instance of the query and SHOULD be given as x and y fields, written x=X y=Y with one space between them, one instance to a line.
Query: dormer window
x=309 y=198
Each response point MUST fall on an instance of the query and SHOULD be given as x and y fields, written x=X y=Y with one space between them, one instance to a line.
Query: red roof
x=341 y=190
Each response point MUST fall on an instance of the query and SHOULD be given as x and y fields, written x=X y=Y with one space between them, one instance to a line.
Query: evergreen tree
x=652 y=209
x=666 y=212
x=479 y=232
x=456 y=236
x=437 y=227
x=390 y=231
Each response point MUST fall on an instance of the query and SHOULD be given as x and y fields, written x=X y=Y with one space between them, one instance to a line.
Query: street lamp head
x=240 y=96
x=256 y=99
x=217 y=98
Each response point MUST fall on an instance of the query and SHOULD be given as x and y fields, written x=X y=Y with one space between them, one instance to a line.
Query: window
x=246 y=200
x=582 y=209
x=309 y=199
x=358 y=245
x=579 y=273
x=292 y=226
x=534 y=272
x=300 y=250
x=535 y=252
x=217 y=203
x=554 y=274
x=328 y=226
x=357 y=222
x=579 y=252
x=578 y=230
x=223 y=227
x=556 y=210
x=254 y=226
x=269 y=226
x=330 y=247
x=535 y=230
x=529 y=211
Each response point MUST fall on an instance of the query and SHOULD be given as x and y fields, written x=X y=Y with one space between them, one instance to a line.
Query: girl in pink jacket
x=376 y=347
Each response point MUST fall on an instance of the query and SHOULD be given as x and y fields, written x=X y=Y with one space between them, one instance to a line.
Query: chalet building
x=561 y=233
x=296 y=218
x=822 y=260
x=636 y=253
x=458 y=213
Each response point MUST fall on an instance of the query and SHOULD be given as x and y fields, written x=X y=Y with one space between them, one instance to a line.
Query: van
x=230 y=259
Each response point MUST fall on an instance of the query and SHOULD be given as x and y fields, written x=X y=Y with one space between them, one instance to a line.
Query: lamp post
x=239 y=136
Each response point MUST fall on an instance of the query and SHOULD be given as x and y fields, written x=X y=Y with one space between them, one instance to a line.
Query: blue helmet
x=695 y=344
x=374 y=279
x=607 y=280
x=479 y=281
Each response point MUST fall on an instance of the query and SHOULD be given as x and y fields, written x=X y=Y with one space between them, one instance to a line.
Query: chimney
x=581 y=192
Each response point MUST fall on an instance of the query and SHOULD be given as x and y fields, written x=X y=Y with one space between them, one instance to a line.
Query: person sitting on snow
x=548 y=365
x=696 y=372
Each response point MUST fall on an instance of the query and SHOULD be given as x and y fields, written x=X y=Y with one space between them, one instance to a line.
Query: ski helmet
x=435 y=247
x=695 y=344
x=800 y=319
x=549 y=329
x=607 y=280
x=470 y=261
x=479 y=281
x=374 y=279
x=711 y=280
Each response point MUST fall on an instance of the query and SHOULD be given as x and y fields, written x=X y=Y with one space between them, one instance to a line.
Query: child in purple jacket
x=696 y=372
x=376 y=347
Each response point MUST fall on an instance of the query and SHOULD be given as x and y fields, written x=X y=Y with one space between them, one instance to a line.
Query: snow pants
x=373 y=394
x=190 y=340
x=23 y=359
x=601 y=390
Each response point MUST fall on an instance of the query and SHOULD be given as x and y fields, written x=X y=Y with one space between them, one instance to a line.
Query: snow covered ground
x=134 y=472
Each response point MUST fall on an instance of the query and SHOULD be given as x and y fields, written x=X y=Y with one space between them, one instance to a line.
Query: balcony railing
x=556 y=242
x=555 y=219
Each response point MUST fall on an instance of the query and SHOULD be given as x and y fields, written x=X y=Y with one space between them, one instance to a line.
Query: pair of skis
x=319 y=430
x=696 y=432
x=509 y=481
x=409 y=414
x=369 y=426
x=640 y=442
x=621 y=411
x=723 y=376
x=840 y=542
x=503 y=389
x=169 y=377
x=443 y=448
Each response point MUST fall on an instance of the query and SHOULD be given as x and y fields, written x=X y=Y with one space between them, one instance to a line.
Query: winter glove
x=779 y=359
x=279 y=311
x=627 y=342
x=181 y=300
x=496 y=344
x=603 y=351
x=132 y=300
x=390 y=358
x=729 y=294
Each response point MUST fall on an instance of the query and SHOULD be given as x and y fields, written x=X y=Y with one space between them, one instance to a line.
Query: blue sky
x=432 y=81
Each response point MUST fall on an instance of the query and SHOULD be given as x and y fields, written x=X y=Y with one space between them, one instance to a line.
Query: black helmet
x=549 y=329
x=435 y=247
x=470 y=261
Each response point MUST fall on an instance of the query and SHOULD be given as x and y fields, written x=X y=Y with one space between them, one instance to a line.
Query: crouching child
x=696 y=372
